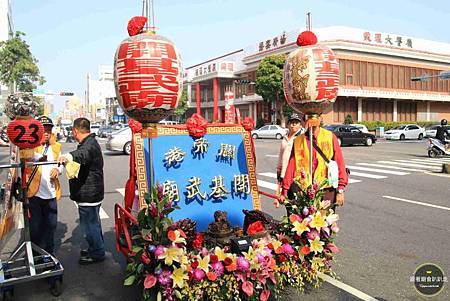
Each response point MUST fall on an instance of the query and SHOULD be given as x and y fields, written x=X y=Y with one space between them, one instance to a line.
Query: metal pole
x=311 y=153
x=308 y=21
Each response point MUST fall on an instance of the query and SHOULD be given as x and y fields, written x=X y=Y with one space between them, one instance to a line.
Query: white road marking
x=121 y=191
x=353 y=181
x=102 y=212
x=391 y=167
x=349 y=289
x=407 y=164
x=268 y=174
x=268 y=185
x=420 y=162
x=415 y=202
x=444 y=160
x=366 y=175
x=272 y=156
x=398 y=173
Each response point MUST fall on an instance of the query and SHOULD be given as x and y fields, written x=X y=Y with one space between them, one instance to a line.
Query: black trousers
x=43 y=221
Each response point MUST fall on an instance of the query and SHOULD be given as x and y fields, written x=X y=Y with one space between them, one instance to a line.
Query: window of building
x=395 y=77
x=363 y=74
x=401 y=77
x=389 y=78
x=349 y=72
x=376 y=75
x=370 y=75
x=408 y=78
x=342 y=72
x=382 y=76
x=356 y=74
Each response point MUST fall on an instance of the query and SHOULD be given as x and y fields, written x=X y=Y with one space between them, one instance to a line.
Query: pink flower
x=247 y=287
x=153 y=210
x=217 y=267
x=305 y=211
x=160 y=192
x=144 y=258
x=198 y=274
x=311 y=193
x=261 y=258
x=264 y=295
x=332 y=247
x=325 y=232
x=149 y=281
x=159 y=251
x=165 y=278
x=335 y=228
x=287 y=248
x=312 y=234
x=243 y=264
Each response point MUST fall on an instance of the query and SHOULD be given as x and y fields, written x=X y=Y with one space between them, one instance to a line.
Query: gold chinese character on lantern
x=173 y=157
x=241 y=184
x=227 y=152
x=218 y=188
x=200 y=146
x=193 y=188
x=170 y=189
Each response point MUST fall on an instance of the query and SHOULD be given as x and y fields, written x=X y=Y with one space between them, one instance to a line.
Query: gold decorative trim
x=211 y=129
x=141 y=172
x=251 y=165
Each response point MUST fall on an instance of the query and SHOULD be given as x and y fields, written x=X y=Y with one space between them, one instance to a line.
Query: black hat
x=294 y=116
x=45 y=121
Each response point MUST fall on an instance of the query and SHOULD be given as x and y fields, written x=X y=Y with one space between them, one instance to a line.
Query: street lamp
x=444 y=75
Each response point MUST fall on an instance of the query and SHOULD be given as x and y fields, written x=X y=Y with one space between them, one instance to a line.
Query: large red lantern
x=311 y=76
x=147 y=76
x=25 y=132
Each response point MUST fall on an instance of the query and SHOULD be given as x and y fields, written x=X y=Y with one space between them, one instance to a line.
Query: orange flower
x=305 y=250
x=211 y=276
x=294 y=217
x=231 y=267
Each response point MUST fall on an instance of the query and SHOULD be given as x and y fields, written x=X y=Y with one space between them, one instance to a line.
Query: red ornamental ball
x=25 y=132
x=306 y=38
x=311 y=79
x=148 y=77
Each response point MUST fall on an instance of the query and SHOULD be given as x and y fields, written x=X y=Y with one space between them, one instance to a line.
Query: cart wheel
x=56 y=287
x=8 y=295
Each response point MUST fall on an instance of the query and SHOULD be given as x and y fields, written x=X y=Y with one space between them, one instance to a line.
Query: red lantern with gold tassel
x=147 y=74
x=25 y=132
x=311 y=76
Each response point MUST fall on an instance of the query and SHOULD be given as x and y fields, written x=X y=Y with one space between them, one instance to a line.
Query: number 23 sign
x=25 y=132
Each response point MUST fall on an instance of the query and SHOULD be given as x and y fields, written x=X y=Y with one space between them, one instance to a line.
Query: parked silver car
x=269 y=131
x=406 y=131
x=120 y=141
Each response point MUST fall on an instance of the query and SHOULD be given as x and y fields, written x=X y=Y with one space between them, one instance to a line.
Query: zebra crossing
x=376 y=170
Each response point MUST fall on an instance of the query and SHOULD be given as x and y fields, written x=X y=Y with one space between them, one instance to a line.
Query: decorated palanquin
x=200 y=175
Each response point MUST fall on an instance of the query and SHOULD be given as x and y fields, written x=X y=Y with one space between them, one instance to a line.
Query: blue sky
x=71 y=38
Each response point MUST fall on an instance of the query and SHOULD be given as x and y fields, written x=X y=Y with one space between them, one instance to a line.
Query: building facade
x=101 y=95
x=375 y=77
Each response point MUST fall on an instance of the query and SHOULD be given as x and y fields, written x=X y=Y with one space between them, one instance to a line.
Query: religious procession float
x=192 y=225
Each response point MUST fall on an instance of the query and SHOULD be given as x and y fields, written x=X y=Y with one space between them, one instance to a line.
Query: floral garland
x=175 y=264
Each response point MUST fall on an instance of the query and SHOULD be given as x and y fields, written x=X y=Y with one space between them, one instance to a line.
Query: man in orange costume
x=298 y=167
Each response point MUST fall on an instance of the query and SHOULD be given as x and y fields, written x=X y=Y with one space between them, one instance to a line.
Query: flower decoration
x=248 y=124
x=136 y=25
x=196 y=126
x=306 y=38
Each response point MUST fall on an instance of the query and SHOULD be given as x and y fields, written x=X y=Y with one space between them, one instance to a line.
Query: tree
x=348 y=119
x=18 y=67
x=269 y=82
x=182 y=105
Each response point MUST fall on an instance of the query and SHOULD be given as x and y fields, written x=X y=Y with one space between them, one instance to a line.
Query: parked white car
x=269 y=131
x=120 y=141
x=361 y=127
x=431 y=130
x=405 y=131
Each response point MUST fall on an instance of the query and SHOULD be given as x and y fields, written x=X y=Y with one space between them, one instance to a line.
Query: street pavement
x=396 y=217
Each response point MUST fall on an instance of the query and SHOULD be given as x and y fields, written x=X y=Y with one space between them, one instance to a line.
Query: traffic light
x=242 y=82
x=66 y=94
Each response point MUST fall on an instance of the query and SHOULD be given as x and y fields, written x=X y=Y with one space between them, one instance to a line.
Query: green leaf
x=159 y=297
x=178 y=294
x=136 y=249
x=130 y=280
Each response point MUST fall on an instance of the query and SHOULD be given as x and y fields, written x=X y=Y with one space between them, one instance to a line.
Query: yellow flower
x=299 y=228
x=184 y=261
x=178 y=277
x=171 y=254
x=276 y=244
x=250 y=255
x=332 y=217
x=317 y=262
x=316 y=245
x=203 y=263
x=318 y=221
x=220 y=253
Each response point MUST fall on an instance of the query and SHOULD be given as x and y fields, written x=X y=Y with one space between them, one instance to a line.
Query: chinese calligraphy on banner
x=215 y=172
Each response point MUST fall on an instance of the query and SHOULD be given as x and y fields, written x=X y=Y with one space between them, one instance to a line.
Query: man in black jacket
x=87 y=190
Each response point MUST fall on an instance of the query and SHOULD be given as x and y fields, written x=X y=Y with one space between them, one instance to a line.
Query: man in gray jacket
x=87 y=190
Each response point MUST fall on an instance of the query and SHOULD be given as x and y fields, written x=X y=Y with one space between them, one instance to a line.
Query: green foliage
x=259 y=123
x=348 y=119
x=17 y=64
x=182 y=105
x=269 y=81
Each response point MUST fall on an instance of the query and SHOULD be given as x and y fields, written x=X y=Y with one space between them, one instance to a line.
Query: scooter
x=436 y=148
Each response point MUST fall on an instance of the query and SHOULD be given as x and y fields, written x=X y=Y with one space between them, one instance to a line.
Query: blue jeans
x=92 y=230
x=43 y=220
